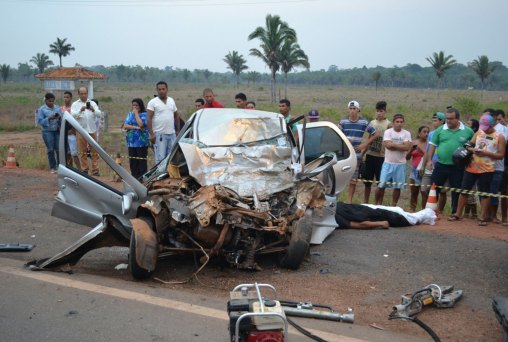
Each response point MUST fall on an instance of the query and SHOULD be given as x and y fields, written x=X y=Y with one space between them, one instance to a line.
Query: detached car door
x=323 y=136
x=83 y=198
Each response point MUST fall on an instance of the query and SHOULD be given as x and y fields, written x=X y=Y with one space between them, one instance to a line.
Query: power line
x=153 y=3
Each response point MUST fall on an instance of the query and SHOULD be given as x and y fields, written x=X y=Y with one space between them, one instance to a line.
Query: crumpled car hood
x=263 y=168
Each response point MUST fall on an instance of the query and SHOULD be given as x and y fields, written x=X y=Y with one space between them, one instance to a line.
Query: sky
x=197 y=34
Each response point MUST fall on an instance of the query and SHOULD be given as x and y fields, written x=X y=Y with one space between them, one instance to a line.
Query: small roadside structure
x=69 y=79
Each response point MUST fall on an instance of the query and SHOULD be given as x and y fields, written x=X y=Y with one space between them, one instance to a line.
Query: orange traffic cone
x=10 y=163
x=432 y=199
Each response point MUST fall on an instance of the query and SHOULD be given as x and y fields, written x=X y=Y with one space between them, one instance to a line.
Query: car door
x=324 y=136
x=83 y=198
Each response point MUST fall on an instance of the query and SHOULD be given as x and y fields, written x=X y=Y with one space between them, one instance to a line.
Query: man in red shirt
x=210 y=101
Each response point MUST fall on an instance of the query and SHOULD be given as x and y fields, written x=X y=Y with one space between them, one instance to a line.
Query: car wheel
x=142 y=254
x=299 y=243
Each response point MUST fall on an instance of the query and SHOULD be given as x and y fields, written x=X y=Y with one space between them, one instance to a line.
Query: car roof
x=231 y=126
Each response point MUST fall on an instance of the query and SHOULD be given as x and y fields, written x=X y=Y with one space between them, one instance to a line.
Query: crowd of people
x=455 y=156
x=383 y=148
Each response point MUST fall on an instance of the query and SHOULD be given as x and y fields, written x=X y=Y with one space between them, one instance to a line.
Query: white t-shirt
x=504 y=131
x=396 y=156
x=163 y=120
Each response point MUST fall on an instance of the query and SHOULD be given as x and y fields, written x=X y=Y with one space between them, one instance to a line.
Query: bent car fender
x=145 y=244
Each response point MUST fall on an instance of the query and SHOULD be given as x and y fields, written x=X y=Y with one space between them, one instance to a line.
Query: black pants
x=346 y=213
x=137 y=161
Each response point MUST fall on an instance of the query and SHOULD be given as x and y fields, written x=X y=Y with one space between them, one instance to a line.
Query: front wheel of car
x=299 y=243
x=142 y=250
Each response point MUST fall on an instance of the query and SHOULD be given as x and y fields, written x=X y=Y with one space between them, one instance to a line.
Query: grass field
x=18 y=103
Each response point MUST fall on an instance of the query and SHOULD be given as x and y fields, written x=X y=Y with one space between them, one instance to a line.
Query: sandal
x=454 y=218
x=482 y=223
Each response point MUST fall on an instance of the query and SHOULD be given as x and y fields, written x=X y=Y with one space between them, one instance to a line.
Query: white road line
x=143 y=298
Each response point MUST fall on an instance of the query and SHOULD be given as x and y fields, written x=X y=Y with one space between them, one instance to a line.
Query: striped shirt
x=354 y=131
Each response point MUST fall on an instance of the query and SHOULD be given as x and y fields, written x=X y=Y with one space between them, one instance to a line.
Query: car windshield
x=239 y=127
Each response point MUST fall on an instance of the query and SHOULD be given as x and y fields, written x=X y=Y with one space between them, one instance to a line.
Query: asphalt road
x=365 y=269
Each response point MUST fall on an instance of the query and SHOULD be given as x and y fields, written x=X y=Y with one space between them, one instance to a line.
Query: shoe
x=96 y=174
x=53 y=171
x=482 y=223
x=454 y=218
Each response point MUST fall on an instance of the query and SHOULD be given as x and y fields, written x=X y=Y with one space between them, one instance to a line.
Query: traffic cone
x=10 y=163
x=432 y=199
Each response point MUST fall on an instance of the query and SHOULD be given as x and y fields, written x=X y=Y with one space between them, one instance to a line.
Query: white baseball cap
x=353 y=104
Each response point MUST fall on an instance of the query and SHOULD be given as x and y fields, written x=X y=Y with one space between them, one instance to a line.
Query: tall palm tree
x=61 y=49
x=441 y=63
x=291 y=56
x=5 y=70
x=376 y=76
x=272 y=38
x=483 y=68
x=236 y=63
x=41 y=61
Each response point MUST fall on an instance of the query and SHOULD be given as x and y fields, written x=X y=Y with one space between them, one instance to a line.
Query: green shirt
x=449 y=140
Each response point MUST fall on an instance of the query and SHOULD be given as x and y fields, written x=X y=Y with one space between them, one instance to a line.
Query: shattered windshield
x=242 y=128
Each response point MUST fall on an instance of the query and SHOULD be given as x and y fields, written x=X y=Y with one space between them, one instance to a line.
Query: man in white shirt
x=86 y=111
x=397 y=142
x=163 y=122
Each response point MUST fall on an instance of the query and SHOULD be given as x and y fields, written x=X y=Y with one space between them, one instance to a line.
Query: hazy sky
x=197 y=34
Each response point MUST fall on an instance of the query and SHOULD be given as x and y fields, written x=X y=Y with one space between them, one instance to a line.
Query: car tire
x=299 y=243
x=137 y=271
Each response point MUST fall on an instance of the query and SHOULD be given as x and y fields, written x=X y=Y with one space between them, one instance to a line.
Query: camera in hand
x=87 y=104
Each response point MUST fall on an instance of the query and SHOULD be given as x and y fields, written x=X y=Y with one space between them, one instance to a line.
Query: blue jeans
x=163 y=145
x=453 y=174
x=495 y=186
x=51 y=140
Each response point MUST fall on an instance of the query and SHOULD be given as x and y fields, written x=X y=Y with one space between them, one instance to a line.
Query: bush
x=468 y=107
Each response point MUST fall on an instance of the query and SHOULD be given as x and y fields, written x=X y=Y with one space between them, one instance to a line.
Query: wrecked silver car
x=236 y=185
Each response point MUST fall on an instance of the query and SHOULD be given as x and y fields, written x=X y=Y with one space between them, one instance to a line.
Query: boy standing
x=354 y=127
x=397 y=142
x=375 y=155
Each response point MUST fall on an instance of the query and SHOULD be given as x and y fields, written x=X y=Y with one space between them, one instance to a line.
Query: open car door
x=321 y=137
x=85 y=199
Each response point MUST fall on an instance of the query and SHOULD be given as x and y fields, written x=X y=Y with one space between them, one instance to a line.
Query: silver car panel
x=84 y=199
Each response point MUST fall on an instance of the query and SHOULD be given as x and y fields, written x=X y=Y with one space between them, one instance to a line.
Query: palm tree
x=291 y=56
x=5 y=71
x=41 y=61
x=441 y=63
x=483 y=68
x=61 y=49
x=376 y=76
x=272 y=38
x=236 y=63
x=253 y=76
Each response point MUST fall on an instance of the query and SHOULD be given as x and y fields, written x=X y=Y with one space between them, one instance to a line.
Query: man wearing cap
x=313 y=115
x=448 y=137
x=438 y=119
x=489 y=146
x=397 y=142
x=375 y=155
x=354 y=128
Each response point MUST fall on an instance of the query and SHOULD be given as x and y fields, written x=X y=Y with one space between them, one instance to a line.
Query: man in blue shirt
x=49 y=117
